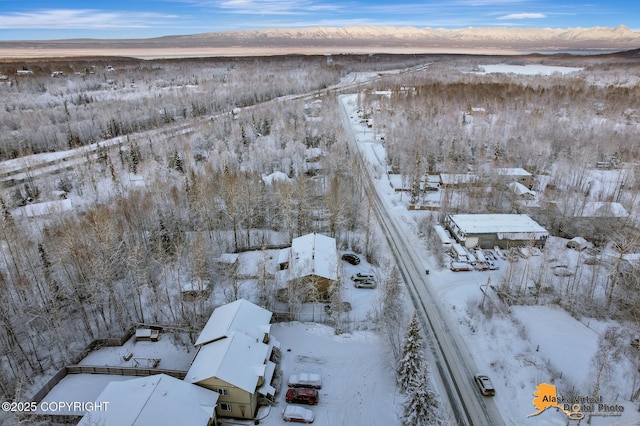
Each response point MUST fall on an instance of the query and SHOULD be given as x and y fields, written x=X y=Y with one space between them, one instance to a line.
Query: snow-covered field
x=530 y=69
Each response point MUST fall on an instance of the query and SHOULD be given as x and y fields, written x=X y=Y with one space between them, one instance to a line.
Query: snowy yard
x=358 y=382
x=355 y=369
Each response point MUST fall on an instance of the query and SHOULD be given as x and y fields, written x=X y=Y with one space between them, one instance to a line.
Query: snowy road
x=454 y=363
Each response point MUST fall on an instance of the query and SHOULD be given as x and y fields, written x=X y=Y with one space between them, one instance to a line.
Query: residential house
x=459 y=180
x=516 y=174
x=235 y=359
x=314 y=258
x=595 y=220
x=154 y=400
x=240 y=315
x=521 y=191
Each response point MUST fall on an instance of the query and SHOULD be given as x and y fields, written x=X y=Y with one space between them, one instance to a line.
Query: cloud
x=523 y=16
x=80 y=19
x=275 y=7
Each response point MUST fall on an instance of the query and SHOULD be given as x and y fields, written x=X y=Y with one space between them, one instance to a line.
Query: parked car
x=480 y=266
x=302 y=396
x=297 y=414
x=460 y=266
x=492 y=265
x=351 y=258
x=431 y=188
x=365 y=284
x=362 y=276
x=305 y=380
x=485 y=385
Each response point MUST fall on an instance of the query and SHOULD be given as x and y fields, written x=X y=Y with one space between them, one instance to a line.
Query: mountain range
x=353 y=39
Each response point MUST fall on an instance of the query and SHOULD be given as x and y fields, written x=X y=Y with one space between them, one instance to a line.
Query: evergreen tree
x=412 y=363
x=420 y=407
x=415 y=179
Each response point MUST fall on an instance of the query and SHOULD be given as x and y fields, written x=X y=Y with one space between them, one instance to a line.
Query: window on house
x=224 y=407
x=223 y=391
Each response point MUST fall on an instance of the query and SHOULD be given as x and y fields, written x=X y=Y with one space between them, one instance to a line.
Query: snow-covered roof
x=513 y=171
x=520 y=189
x=314 y=254
x=458 y=178
x=158 y=399
x=195 y=286
x=284 y=255
x=228 y=258
x=496 y=223
x=266 y=388
x=602 y=209
x=45 y=208
x=233 y=359
x=275 y=176
x=240 y=315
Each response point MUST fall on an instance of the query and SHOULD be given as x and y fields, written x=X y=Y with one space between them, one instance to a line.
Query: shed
x=577 y=243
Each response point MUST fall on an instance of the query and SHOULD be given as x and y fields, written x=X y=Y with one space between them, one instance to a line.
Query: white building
x=314 y=257
x=153 y=400
x=490 y=230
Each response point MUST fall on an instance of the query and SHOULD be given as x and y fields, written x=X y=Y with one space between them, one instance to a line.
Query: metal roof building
x=490 y=230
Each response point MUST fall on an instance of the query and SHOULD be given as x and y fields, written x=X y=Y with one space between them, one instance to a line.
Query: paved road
x=454 y=362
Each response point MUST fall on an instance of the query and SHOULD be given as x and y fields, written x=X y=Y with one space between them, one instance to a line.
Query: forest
x=182 y=148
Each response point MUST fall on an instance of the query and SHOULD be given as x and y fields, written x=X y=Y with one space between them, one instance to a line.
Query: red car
x=302 y=396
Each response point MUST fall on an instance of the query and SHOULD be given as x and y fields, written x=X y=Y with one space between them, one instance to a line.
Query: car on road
x=365 y=284
x=293 y=413
x=351 y=258
x=302 y=396
x=484 y=384
x=305 y=380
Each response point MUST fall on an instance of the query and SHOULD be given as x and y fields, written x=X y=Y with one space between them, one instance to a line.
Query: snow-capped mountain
x=353 y=39
x=508 y=37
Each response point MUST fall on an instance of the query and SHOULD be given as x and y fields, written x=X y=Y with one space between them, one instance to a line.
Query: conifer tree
x=412 y=362
x=421 y=405
x=415 y=179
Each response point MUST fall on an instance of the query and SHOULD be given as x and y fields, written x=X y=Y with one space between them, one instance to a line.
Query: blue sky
x=49 y=19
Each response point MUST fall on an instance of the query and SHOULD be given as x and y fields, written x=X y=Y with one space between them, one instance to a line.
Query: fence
x=123 y=371
x=88 y=369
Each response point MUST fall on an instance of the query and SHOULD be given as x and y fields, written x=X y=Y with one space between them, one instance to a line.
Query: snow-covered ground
x=518 y=347
x=358 y=382
x=174 y=351
x=355 y=368
x=531 y=69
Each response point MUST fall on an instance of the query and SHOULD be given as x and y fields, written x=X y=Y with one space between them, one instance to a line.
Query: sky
x=63 y=19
